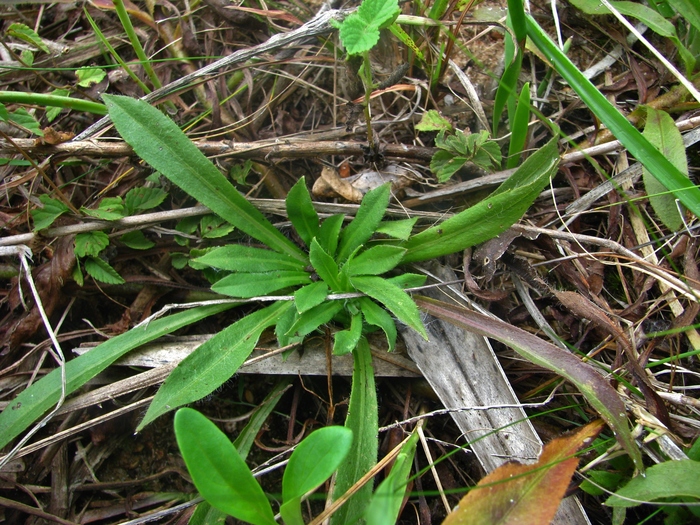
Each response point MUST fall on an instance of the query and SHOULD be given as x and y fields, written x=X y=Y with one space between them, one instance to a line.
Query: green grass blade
x=31 y=404
x=597 y=391
x=212 y=363
x=362 y=420
x=658 y=165
x=160 y=142
x=41 y=99
x=519 y=127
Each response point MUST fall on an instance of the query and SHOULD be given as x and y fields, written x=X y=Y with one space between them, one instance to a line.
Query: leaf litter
x=635 y=328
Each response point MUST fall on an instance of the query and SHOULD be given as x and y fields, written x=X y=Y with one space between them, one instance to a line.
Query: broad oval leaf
x=670 y=479
x=314 y=460
x=213 y=362
x=218 y=472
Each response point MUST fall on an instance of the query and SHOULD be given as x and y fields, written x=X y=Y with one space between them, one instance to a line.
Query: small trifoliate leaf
x=52 y=210
x=136 y=240
x=89 y=75
x=101 y=271
x=53 y=111
x=109 y=209
x=23 y=118
x=433 y=121
x=28 y=35
x=139 y=199
x=78 y=275
x=90 y=243
x=239 y=172
x=213 y=227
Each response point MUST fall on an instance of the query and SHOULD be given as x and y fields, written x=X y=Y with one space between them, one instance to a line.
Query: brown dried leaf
x=525 y=494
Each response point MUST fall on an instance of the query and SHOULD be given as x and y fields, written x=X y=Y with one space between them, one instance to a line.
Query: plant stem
x=366 y=75
x=41 y=99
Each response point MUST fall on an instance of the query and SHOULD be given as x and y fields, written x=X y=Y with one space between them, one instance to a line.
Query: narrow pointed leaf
x=490 y=217
x=160 y=142
x=387 y=499
x=525 y=494
x=255 y=284
x=376 y=260
x=31 y=404
x=314 y=318
x=325 y=266
x=218 y=471
x=329 y=232
x=597 y=391
x=365 y=223
x=658 y=165
x=238 y=258
x=378 y=316
x=310 y=295
x=212 y=363
x=394 y=298
x=346 y=340
x=301 y=212
x=362 y=420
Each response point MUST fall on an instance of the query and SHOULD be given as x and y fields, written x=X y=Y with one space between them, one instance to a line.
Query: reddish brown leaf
x=525 y=494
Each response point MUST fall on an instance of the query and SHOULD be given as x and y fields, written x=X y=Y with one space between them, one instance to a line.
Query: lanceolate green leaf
x=329 y=232
x=218 y=471
x=365 y=223
x=670 y=479
x=238 y=258
x=255 y=284
x=376 y=260
x=362 y=420
x=377 y=316
x=311 y=319
x=597 y=391
x=301 y=212
x=31 y=404
x=160 y=142
x=345 y=341
x=662 y=132
x=311 y=295
x=394 y=298
x=325 y=266
x=491 y=216
x=212 y=363
x=659 y=166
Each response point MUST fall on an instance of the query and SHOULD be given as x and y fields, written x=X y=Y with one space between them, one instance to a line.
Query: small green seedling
x=226 y=483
